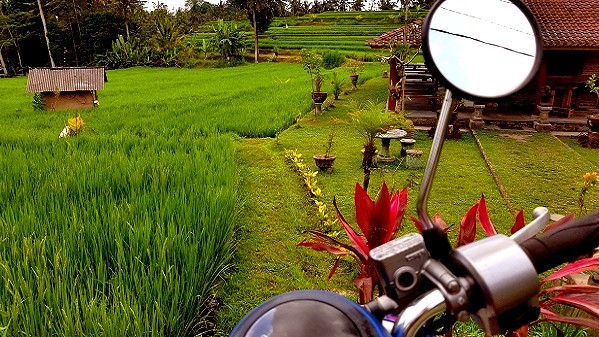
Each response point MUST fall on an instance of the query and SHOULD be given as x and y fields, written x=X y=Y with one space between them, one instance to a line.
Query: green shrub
x=38 y=102
x=332 y=59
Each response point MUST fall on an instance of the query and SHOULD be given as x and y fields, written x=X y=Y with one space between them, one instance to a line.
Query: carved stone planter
x=543 y=125
x=477 y=121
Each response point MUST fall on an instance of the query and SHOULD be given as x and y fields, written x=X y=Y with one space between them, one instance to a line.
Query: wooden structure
x=67 y=87
x=570 y=31
x=411 y=34
x=421 y=85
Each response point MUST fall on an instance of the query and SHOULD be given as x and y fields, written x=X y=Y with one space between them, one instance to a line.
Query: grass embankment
x=126 y=229
x=278 y=208
x=348 y=39
x=267 y=255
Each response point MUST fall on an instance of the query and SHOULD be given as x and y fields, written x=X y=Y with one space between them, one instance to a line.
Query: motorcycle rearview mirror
x=480 y=50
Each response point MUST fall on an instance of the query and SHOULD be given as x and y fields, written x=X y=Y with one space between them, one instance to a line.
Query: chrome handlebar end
x=419 y=312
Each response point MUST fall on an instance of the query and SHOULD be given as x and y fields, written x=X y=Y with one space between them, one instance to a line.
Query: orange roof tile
x=397 y=35
x=564 y=24
x=567 y=24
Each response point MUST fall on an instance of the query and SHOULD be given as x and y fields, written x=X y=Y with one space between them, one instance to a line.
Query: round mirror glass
x=482 y=48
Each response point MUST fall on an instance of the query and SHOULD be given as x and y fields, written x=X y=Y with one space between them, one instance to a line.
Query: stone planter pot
x=323 y=162
x=319 y=96
x=354 y=80
x=593 y=122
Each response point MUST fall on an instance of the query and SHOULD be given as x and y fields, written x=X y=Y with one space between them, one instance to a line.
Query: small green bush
x=332 y=59
x=38 y=102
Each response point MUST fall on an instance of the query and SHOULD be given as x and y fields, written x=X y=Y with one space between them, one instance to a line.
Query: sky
x=172 y=4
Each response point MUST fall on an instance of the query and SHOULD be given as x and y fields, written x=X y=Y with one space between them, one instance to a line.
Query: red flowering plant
x=553 y=299
x=379 y=223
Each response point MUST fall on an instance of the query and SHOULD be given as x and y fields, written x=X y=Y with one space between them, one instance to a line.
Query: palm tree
x=39 y=4
x=125 y=8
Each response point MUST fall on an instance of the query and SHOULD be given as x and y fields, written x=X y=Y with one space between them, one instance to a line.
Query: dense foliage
x=228 y=40
x=81 y=33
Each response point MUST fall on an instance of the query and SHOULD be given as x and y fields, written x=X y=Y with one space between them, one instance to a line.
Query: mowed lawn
x=125 y=229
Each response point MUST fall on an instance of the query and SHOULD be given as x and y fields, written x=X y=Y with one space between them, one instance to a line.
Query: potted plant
x=325 y=161
x=370 y=120
x=337 y=86
x=593 y=120
x=356 y=68
x=312 y=63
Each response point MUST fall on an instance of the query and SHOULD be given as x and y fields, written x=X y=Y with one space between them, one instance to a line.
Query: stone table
x=385 y=155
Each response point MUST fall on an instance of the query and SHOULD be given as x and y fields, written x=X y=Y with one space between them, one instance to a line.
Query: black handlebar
x=564 y=243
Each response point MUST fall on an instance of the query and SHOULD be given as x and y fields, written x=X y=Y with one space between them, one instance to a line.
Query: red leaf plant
x=379 y=223
x=582 y=297
x=467 y=230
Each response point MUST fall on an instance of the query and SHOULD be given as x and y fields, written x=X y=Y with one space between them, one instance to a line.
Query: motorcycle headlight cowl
x=308 y=313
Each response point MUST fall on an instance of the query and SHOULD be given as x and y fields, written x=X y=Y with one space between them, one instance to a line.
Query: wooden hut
x=411 y=35
x=67 y=87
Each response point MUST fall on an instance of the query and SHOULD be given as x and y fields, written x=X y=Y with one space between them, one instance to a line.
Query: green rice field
x=346 y=32
x=126 y=228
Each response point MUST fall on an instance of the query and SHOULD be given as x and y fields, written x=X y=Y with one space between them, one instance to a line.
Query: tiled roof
x=571 y=24
x=65 y=79
x=564 y=24
x=396 y=35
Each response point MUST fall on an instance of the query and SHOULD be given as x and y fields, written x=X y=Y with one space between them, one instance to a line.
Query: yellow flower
x=76 y=123
x=590 y=179
x=317 y=192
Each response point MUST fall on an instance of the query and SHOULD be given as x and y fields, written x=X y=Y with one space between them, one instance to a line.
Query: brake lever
x=541 y=219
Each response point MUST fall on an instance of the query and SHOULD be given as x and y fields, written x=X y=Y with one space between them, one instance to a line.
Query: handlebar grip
x=564 y=243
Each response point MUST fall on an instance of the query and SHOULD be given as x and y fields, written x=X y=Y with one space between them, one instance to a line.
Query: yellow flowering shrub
x=589 y=180
x=76 y=124
x=311 y=183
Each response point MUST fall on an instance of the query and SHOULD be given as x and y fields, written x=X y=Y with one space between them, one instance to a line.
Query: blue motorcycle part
x=309 y=313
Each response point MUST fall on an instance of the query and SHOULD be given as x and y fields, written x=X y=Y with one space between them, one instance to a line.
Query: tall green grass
x=112 y=236
x=253 y=100
x=125 y=229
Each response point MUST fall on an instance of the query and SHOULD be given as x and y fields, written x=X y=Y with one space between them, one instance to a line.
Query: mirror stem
x=435 y=239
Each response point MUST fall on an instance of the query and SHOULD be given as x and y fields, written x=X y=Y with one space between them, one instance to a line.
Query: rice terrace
x=178 y=202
